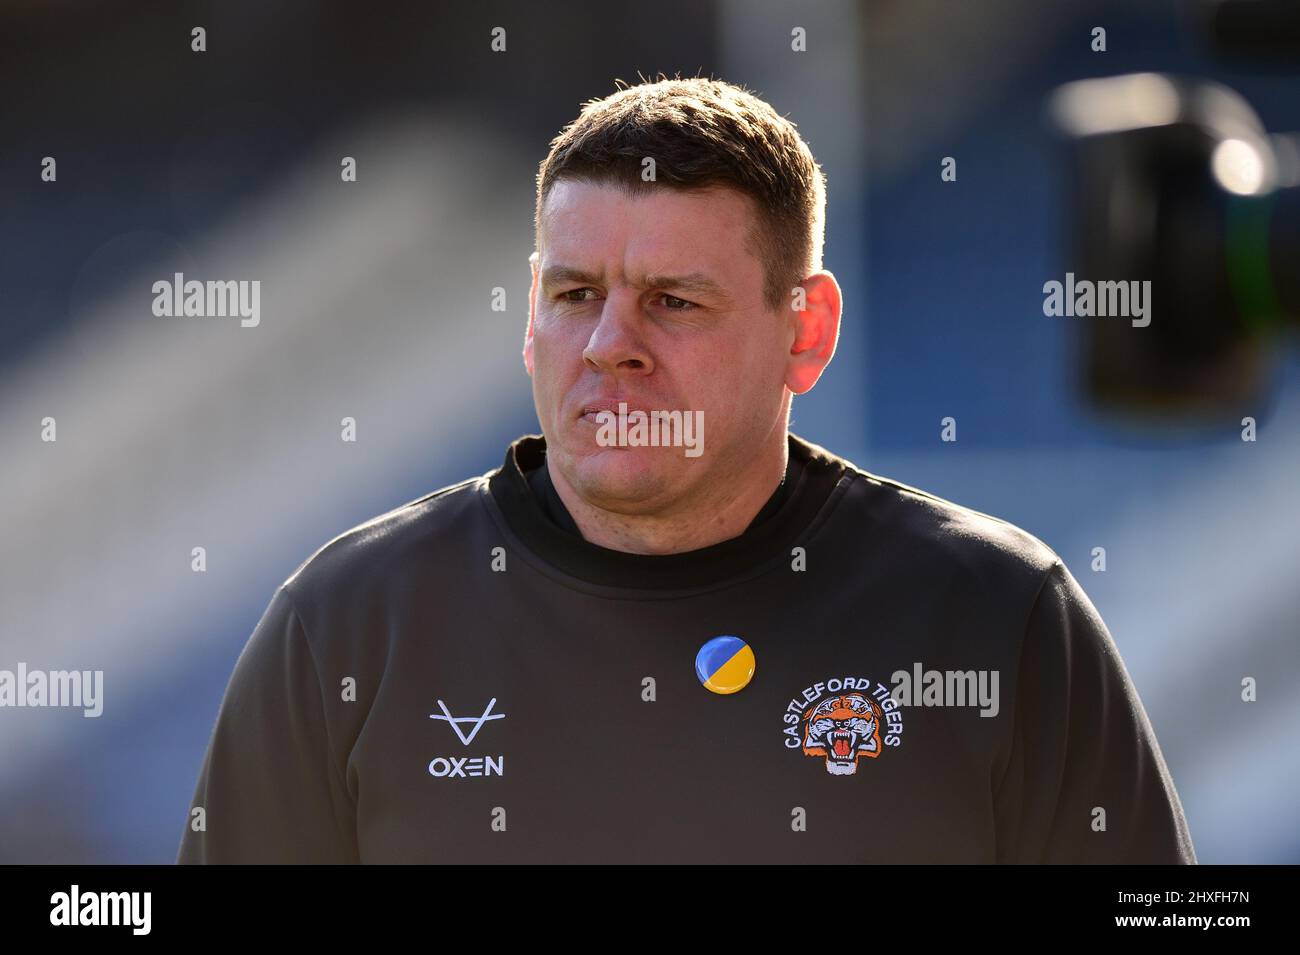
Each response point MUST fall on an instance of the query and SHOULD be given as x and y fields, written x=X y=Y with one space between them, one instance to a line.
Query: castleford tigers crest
x=842 y=722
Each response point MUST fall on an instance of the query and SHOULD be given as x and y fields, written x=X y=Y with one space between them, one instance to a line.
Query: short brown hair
x=701 y=133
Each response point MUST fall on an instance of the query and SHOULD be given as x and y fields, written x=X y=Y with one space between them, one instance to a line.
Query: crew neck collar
x=570 y=554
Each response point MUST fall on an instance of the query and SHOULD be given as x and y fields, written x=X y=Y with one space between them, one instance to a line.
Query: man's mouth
x=598 y=411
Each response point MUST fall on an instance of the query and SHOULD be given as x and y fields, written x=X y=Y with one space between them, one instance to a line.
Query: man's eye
x=675 y=304
x=565 y=296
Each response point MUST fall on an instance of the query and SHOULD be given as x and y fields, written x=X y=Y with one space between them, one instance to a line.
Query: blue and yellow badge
x=725 y=664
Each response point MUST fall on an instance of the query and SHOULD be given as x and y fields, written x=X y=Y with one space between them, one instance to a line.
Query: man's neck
x=724 y=511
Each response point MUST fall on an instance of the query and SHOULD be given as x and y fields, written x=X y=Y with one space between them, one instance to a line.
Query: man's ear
x=817 y=330
x=532 y=314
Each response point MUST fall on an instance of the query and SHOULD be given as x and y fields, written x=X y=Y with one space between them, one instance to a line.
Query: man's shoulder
x=408 y=539
x=924 y=532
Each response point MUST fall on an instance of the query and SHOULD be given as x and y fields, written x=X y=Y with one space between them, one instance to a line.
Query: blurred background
x=376 y=304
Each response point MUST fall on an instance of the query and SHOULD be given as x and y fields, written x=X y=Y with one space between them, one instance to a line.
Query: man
x=667 y=629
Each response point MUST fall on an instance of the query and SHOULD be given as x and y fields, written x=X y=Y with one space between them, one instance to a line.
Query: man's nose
x=616 y=343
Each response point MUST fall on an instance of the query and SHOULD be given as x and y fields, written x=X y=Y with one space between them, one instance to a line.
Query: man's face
x=653 y=300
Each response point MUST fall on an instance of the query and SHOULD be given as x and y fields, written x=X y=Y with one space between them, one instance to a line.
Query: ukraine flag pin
x=725 y=664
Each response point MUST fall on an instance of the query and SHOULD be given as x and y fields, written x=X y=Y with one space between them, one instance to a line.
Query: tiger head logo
x=842 y=729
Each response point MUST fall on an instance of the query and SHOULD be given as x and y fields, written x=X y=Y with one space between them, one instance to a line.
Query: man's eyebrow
x=689 y=282
x=555 y=274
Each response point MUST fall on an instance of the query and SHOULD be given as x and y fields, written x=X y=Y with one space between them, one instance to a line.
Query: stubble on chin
x=616 y=481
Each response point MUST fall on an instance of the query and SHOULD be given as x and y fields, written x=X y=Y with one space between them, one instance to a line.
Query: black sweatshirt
x=466 y=679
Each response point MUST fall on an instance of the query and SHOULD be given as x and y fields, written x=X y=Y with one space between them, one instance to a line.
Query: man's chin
x=616 y=478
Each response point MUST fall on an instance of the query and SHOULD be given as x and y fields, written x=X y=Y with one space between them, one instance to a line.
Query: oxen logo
x=842 y=729
x=462 y=767
x=477 y=721
x=843 y=721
